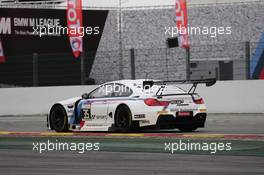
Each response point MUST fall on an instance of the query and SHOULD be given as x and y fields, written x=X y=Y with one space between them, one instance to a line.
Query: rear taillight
x=197 y=99
x=155 y=102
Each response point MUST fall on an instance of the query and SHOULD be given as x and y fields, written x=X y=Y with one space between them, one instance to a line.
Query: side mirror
x=85 y=96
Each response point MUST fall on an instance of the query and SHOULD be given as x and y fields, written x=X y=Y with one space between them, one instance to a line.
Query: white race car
x=127 y=105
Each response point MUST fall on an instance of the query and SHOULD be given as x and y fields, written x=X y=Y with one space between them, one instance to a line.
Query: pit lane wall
x=223 y=97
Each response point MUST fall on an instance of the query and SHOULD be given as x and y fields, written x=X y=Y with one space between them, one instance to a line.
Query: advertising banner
x=2 y=56
x=182 y=22
x=74 y=21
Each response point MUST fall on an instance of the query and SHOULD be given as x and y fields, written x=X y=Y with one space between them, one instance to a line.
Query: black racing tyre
x=59 y=119
x=123 y=119
x=187 y=128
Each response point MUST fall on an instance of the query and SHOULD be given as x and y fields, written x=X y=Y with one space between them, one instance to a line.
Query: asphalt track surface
x=29 y=163
x=17 y=157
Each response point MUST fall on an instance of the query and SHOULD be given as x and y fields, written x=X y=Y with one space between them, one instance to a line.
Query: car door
x=98 y=105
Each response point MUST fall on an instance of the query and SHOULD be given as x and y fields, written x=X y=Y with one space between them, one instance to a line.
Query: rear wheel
x=123 y=119
x=59 y=119
x=187 y=128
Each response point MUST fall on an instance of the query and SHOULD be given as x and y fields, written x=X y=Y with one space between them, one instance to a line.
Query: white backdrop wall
x=30 y=101
x=224 y=97
x=234 y=96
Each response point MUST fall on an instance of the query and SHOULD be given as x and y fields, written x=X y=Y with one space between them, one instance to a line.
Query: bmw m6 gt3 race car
x=127 y=105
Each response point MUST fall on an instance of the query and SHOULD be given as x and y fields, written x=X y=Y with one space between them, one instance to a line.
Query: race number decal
x=87 y=114
x=86 y=110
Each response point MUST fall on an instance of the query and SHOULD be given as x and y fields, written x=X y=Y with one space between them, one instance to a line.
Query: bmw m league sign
x=25 y=31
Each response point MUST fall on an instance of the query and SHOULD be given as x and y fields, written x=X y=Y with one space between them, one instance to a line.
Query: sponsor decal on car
x=183 y=109
x=138 y=116
x=184 y=114
x=98 y=117
x=163 y=112
x=203 y=110
x=177 y=102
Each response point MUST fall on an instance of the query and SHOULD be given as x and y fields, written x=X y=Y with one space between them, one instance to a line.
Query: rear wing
x=149 y=83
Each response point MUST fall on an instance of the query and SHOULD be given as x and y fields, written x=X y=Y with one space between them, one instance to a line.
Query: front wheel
x=59 y=119
x=187 y=128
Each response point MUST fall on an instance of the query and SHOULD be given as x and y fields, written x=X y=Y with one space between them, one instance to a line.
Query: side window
x=111 y=90
x=102 y=92
x=121 y=90
x=97 y=93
